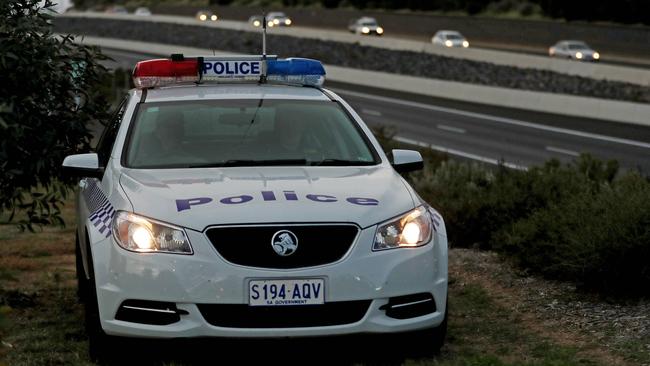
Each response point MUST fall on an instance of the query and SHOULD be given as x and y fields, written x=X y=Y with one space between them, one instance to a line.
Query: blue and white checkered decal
x=436 y=219
x=100 y=208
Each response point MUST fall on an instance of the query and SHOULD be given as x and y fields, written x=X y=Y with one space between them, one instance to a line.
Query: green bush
x=48 y=96
x=574 y=222
x=599 y=239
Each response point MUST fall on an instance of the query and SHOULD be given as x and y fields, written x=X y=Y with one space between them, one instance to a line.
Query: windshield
x=453 y=37
x=223 y=133
x=578 y=46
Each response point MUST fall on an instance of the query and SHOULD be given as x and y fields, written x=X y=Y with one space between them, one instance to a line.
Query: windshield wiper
x=233 y=163
x=340 y=162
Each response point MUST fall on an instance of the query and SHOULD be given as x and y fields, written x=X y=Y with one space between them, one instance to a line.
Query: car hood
x=197 y=198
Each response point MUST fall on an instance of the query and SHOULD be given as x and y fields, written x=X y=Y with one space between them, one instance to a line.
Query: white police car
x=235 y=197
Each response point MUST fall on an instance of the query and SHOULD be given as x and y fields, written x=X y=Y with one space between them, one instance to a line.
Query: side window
x=105 y=145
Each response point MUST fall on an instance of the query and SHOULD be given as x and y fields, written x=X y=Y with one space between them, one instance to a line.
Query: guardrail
x=576 y=106
x=590 y=70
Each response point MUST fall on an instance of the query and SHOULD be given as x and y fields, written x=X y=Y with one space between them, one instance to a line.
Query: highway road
x=477 y=132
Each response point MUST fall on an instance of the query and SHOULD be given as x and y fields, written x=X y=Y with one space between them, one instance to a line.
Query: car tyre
x=100 y=345
x=426 y=342
x=82 y=281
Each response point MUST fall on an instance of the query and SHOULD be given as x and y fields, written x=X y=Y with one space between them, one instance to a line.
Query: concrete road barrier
x=594 y=108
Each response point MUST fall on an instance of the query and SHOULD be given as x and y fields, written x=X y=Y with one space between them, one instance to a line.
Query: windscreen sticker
x=268 y=196
x=100 y=208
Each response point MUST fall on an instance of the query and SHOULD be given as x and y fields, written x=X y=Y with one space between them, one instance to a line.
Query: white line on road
x=563 y=151
x=451 y=129
x=509 y=121
x=459 y=153
x=371 y=112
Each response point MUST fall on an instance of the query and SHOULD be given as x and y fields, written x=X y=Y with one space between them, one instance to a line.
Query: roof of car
x=210 y=91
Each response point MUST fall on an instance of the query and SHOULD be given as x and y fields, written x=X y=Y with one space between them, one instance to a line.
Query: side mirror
x=83 y=165
x=405 y=161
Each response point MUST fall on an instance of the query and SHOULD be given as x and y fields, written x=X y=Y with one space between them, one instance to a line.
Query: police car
x=237 y=197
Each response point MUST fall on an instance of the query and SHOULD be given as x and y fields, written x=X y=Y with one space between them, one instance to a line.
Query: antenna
x=263 y=76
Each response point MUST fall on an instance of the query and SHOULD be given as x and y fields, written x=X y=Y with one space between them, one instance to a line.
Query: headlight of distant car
x=257 y=23
x=139 y=234
x=596 y=56
x=411 y=230
x=276 y=21
x=287 y=22
x=213 y=17
x=270 y=23
x=449 y=43
x=380 y=30
x=465 y=44
x=579 y=55
x=203 y=17
x=365 y=30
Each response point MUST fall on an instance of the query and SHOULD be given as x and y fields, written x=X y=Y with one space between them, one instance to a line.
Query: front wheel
x=100 y=345
x=82 y=280
x=426 y=342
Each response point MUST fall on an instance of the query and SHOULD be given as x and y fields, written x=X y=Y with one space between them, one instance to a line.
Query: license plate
x=286 y=292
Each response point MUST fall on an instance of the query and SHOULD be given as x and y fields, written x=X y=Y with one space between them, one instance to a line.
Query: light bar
x=178 y=70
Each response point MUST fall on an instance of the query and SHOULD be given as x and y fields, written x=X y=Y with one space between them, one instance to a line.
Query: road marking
x=371 y=112
x=509 y=121
x=460 y=153
x=563 y=151
x=451 y=129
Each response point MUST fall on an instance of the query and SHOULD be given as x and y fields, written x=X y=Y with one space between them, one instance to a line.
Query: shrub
x=599 y=239
x=48 y=95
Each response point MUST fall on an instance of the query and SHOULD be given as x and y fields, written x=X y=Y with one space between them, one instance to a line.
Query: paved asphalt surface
x=490 y=134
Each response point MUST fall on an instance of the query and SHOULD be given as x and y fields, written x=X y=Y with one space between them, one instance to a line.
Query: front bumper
x=191 y=281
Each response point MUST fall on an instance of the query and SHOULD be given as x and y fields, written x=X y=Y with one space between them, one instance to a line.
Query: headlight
x=365 y=30
x=465 y=44
x=380 y=30
x=287 y=22
x=449 y=43
x=276 y=21
x=270 y=23
x=213 y=18
x=139 y=234
x=411 y=230
x=579 y=55
x=256 y=23
x=596 y=55
x=203 y=17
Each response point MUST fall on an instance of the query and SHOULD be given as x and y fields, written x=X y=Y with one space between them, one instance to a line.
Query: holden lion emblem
x=284 y=242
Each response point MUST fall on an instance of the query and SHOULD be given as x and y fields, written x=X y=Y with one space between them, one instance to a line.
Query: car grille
x=244 y=316
x=251 y=245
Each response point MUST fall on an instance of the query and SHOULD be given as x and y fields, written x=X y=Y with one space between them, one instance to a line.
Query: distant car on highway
x=256 y=20
x=449 y=38
x=278 y=19
x=205 y=15
x=142 y=11
x=117 y=9
x=574 y=50
x=365 y=26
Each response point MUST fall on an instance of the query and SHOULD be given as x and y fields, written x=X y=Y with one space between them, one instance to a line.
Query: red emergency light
x=159 y=72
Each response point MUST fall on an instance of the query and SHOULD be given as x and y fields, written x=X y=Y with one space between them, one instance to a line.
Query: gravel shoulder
x=614 y=333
